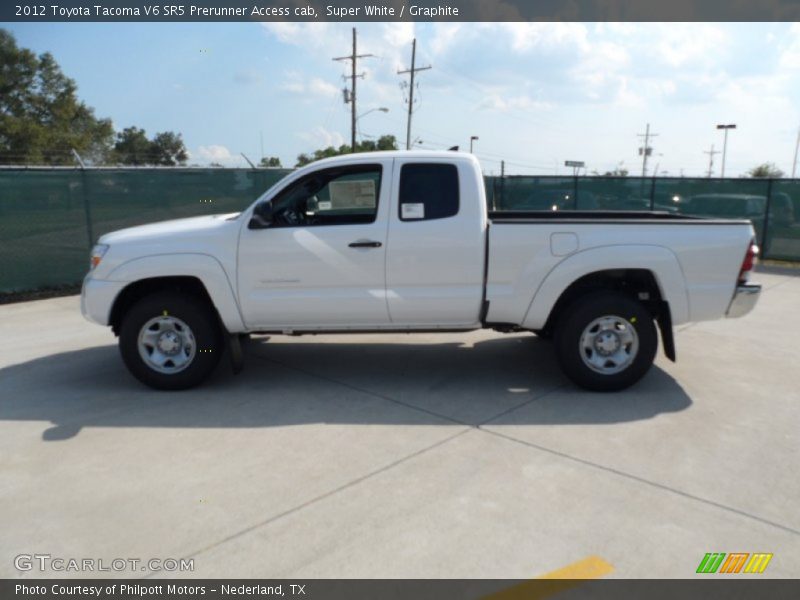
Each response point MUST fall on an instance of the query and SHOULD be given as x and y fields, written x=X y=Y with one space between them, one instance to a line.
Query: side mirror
x=262 y=216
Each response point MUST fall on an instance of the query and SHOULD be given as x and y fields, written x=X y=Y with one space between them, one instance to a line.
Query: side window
x=338 y=196
x=428 y=191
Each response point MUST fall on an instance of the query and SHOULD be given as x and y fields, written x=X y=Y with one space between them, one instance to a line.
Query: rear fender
x=657 y=259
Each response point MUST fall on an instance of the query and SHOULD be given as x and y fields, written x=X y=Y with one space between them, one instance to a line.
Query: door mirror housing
x=262 y=216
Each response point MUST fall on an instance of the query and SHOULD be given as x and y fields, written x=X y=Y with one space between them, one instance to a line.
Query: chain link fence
x=50 y=217
x=772 y=205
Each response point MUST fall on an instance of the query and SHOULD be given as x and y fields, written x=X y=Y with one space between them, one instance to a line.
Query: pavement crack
x=319 y=498
x=366 y=391
x=648 y=482
x=520 y=405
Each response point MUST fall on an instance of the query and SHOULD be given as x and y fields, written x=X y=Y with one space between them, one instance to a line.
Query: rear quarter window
x=428 y=191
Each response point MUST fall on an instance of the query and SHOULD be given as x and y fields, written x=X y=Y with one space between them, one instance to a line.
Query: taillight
x=749 y=261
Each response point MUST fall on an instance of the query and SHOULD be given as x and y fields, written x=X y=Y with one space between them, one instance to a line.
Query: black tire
x=580 y=315
x=203 y=325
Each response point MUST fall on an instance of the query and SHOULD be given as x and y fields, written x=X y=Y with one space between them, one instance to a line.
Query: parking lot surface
x=424 y=456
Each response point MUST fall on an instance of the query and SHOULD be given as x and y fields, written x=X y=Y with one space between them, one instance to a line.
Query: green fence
x=50 y=217
x=772 y=205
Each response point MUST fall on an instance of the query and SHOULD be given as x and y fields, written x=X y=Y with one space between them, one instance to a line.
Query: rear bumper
x=744 y=299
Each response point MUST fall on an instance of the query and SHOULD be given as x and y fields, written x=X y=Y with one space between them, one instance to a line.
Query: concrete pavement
x=402 y=455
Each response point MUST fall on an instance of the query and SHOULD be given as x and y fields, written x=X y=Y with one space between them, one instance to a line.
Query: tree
x=132 y=147
x=385 y=142
x=41 y=118
x=167 y=149
x=272 y=161
x=766 y=170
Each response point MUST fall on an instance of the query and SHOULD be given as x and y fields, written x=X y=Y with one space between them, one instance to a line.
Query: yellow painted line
x=556 y=581
x=588 y=568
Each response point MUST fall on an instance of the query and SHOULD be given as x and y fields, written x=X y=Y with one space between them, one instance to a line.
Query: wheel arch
x=652 y=269
x=141 y=288
x=650 y=274
x=199 y=274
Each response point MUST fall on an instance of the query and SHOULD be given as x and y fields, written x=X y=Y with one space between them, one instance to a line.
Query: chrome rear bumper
x=744 y=299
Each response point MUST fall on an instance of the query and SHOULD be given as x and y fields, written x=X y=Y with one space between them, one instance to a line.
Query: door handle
x=365 y=244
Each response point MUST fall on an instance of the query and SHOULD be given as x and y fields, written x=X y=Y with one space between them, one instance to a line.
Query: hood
x=174 y=229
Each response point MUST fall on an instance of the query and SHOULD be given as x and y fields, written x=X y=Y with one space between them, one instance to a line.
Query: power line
x=412 y=71
x=353 y=58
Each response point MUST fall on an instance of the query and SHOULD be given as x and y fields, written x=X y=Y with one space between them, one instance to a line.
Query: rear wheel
x=606 y=341
x=170 y=341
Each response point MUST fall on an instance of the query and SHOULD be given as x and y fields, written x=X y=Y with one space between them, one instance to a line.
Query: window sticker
x=352 y=194
x=412 y=210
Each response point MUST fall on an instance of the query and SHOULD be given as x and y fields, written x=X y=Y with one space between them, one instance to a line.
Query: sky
x=535 y=94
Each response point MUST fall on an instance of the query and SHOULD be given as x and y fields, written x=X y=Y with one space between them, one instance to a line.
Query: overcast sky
x=536 y=94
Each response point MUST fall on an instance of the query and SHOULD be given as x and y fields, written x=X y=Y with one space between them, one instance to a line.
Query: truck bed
x=536 y=254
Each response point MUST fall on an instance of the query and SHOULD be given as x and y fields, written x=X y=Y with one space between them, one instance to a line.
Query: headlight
x=98 y=252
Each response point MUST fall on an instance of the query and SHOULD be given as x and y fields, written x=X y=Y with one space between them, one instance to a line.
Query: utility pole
x=646 y=150
x=726 y=128
x=711 y=154
x=796 y=148
x=353 y=58
x=412 y=71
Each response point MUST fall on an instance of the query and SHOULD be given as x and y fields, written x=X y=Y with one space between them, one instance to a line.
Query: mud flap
x=664 y=321
x=235 y=353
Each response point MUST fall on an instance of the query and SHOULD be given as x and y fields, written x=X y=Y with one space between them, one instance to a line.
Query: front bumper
x=97 y=298
x=744 y=299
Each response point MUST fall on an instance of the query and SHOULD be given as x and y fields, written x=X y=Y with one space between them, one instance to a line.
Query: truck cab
x=383 y=242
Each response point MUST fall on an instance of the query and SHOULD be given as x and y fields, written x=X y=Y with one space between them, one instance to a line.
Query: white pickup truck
x=403 y=241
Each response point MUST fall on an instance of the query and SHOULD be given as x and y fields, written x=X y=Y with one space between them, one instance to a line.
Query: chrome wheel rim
x=166 y=344
x=609 y=344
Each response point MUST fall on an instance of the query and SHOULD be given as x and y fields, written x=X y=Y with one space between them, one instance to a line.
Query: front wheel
x=170 y=341
x=606 y=341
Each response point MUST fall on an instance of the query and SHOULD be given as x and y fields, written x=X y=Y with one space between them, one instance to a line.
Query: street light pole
x=471 y=140
x=796 y=148
x=382 y=109
x=725 y=143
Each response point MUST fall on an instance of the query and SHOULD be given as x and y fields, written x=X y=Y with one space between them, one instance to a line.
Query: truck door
x=435 y=258
x=321 y=263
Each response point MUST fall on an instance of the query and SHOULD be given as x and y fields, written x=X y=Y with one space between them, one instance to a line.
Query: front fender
x=204 y=267
x=659 y=260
